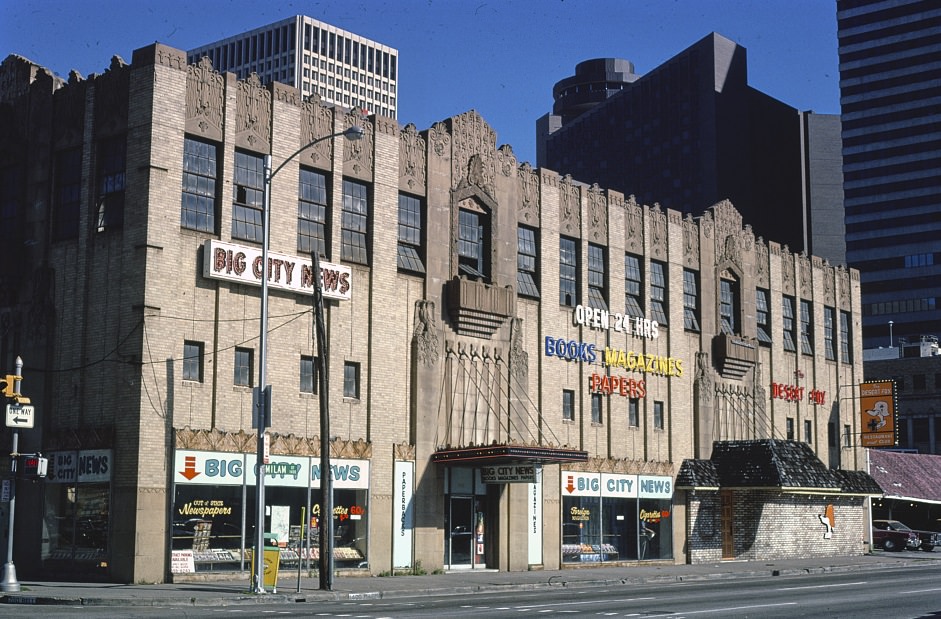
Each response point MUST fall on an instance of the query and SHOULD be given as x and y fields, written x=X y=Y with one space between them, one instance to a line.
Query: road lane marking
x=535 y=606
x=846 y=584
x=727 y=609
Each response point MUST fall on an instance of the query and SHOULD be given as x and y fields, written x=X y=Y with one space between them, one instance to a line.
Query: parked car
x=891 y=540
x=927 y=540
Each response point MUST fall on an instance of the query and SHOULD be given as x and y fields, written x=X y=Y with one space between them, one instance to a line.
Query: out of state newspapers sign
x=242 y=265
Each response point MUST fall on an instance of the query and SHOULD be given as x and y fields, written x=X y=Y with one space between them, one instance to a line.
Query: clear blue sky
x=499 y=57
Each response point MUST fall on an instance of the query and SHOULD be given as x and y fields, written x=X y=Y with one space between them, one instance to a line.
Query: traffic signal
x=34 y=466
x=9 y=385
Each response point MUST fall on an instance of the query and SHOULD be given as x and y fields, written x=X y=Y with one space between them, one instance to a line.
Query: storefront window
x=656 y=529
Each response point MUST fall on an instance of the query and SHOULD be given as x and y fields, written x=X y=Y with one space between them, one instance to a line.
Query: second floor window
x=846 y=346
x=248 y=197
x=568 y=405
x=596 y=278
x=763 y=316
x=193 y=361
x=658 y=292
x=112 y=160
x=596 y=408
x=659 y=422
x=633 y=286
x=787 y=319
x=410 y=234
x=829 y=339
x=351 y=380
x=243 y=367
x=527 y=253
x=312 y=213
x=728 y=306
x=355 y=224
x=690 y=300
x=568 y=272
x=200 y=170
x=807 y=328
x=308 y=371
x=633 y=412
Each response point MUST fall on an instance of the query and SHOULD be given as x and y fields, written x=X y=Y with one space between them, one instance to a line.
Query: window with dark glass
x=596 y=403
x=527 y=255
x=659 y=423
x=355 y=224
x=633 y=412
x=787 y=318
x=728 y=306
x=200 y=170
x=243 y=367
x=472 y=244
x=111 y=179
x=193 y=361
x=633 y=286
x=597 y=292
x=312 y=212
x=568 y=271
x=789 y=428
x=829 y=335
x=690 y=300
x=308 y=374
x=410 y=234
x=658 y=292
x=846 y=340
x=847 y=436
x=12 y=214
x=568 y=405
x=808 y=431
x=763 y=316
x=68 y=194
x=351 y=380
x=807 y=328
x=248 y=197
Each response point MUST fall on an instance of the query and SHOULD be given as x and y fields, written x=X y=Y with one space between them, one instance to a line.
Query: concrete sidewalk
x=236 y=591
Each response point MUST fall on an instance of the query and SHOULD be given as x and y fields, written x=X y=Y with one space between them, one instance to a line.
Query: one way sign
x=20 y=415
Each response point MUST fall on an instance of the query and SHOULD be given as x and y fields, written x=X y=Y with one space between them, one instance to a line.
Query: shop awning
x=497 y=454
x=906 y=476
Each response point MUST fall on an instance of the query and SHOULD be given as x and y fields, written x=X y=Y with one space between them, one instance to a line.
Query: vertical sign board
x=534 y=499
x=877 y=413
x=404 y=524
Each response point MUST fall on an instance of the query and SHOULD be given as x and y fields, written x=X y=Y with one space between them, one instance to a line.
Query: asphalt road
x=899 y=593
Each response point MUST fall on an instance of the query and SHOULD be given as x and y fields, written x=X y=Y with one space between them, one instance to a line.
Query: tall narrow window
x=568 y=272
x=789 y=428
x=829 y=339
x=472 y=246
x=659 y=423
x=200 y=170
x=658 y=292
x=808 y=432
x=527 y=256
x=409 y=252
x=243 y=367
x=633 y=286
x=308 y=374
x=763 y=316
x=847 y=436
x=193 y=361
x=846 y=338
x=568 y=405
x=355 y=224
x=248 y=197
x=68 y=194
x=312 y=213
x=351 y=380
x=596 y=279
x=111 y=179
x=633 y=412
x=787 y=318
x=690 y=300
x=596 y=415
x=728 y=306
x=807 y=328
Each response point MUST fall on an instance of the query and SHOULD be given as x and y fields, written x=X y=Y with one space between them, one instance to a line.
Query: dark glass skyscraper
x=890 y=93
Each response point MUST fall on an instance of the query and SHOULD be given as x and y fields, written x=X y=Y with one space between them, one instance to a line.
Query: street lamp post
x=263 y=414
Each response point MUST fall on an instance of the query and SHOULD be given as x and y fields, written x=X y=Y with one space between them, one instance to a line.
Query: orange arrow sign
x=189 y=467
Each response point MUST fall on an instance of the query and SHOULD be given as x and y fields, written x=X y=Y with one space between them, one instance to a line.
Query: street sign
x=20 y=415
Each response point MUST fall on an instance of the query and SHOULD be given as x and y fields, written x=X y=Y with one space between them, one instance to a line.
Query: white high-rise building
x=343 y=68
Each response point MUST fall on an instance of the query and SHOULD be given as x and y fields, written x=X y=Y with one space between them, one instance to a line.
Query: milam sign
x=242 y=265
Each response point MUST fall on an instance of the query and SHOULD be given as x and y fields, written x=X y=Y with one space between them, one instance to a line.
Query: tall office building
x=691 y=133
x=889 y=93
x=316 y=58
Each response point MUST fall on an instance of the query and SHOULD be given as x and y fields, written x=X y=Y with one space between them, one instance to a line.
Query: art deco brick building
x=520 y=364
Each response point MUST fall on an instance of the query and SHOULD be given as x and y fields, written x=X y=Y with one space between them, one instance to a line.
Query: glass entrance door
x=459 y=535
